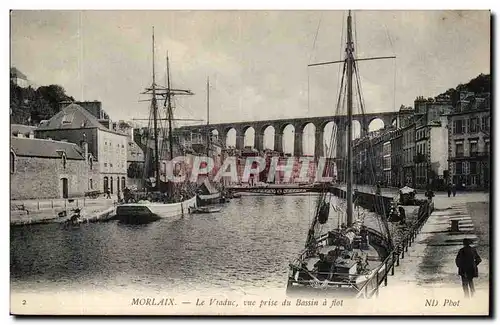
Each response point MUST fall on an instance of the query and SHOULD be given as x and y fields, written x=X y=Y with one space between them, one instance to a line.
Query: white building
x=107 y=147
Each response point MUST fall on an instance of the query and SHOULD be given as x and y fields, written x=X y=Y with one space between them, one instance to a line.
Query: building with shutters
x=469 y=141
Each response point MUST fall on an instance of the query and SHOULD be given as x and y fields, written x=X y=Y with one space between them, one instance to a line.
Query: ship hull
x=352 y=283
x=145 y=212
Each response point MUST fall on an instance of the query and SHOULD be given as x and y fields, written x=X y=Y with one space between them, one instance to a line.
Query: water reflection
x=248 y=245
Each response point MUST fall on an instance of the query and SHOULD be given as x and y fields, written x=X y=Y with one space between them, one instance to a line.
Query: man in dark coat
x=467 y=261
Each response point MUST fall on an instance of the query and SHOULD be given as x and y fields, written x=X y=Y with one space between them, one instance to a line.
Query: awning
x=406 y=190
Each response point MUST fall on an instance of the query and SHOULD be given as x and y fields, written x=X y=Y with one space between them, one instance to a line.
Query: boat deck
x=371 y=253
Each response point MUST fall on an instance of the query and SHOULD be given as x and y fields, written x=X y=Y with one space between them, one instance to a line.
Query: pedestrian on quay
x=467 y=261
x=449 y=189
x=454 y=189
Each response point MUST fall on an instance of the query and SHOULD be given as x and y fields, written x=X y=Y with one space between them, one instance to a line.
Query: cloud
x=256 y=60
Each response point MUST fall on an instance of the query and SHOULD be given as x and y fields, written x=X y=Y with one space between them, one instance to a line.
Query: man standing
x=467 y=261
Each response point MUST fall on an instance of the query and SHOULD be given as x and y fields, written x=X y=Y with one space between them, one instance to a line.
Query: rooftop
x=21 y=128
x=74 y=116
x=26 y=147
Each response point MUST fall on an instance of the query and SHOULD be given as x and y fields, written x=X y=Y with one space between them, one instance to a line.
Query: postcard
x=239 y=162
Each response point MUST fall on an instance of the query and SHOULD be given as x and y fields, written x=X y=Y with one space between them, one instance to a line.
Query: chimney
x=85 y=146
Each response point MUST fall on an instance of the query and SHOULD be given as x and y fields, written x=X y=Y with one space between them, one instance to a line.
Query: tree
x=30 y=106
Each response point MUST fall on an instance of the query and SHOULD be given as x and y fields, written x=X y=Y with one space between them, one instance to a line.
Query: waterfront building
x=396 y=158
x=430 y=141
x=386 y=162
x=107 y=146
x=469 y=141
x=45 y=169
x=408 y=156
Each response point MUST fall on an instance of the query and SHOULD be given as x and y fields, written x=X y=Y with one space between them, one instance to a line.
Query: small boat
x=146 y=211
x=205 y=209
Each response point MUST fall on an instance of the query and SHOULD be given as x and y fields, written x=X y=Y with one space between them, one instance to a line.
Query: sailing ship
x=343 y=259
x=164 y=199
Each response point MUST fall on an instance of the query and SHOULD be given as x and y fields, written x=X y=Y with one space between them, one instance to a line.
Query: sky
x=256 y=60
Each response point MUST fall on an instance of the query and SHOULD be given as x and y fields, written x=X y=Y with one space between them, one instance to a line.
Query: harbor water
x=248 y=245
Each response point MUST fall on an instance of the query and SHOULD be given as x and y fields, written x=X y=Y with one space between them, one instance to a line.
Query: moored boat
x=164 y=199
x=344 y=259
x=145 y=211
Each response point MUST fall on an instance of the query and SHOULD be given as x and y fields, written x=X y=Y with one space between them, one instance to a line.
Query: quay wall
x=367 y=201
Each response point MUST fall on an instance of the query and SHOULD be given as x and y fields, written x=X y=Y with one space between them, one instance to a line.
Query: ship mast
x=208 y=117
x=155 y=121
x=350 y=64
x=169 y=112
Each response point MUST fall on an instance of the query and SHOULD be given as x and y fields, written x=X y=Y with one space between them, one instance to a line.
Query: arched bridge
x=299 y=124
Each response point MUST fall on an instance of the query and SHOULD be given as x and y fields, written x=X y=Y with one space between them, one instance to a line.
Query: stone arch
x=288 y=133
x=215 y=134
x=268 y=137
x=230 y=135
x=248 y=134
x=356 y=129
x=308 y=141
x=375 y=124
x=329 y=129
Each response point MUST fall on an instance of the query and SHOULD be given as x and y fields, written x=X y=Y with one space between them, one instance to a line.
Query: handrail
x=371 y=286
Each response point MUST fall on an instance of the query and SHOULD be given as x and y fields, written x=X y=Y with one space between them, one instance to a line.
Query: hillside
x=29 y=106
x=480 y=84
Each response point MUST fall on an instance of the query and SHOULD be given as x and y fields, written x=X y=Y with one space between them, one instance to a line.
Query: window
x=12 y=162
x=465 y=167
x=105 y=164
x=64 y=160
x=473 y=147
x=485 y=123
x=474 y=124
x=110 y=165
x=123 y=182
x=487 y=147
x=67 y=119
x=123 y=146
x=91 y=185
x=106 y=185
x=473 y=167
x=458 y=168
x=459 y=149
x=459 y=127
x=91 y=161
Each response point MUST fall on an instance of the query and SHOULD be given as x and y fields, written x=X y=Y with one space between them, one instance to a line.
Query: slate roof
x=23 y=129
x=74 y=116
x=26 y=147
